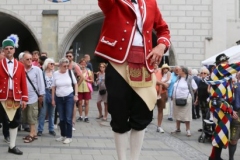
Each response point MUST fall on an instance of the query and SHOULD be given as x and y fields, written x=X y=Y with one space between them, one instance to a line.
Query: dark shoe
x=170 y=119
x=86 y=120
x=27 y=129
x=52 y=133
x=194 y=117
x=7 y=140
x=198 y=116
x=200 y=130
x=80 y=119
x=15 y=150
x=28 y=139
x=39 y=133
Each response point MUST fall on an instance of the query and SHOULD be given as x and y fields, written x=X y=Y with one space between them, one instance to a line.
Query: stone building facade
x=199 y=28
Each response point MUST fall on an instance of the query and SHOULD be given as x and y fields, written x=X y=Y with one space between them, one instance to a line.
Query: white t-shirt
x=63 y=83
x=164 y=77
x=182 y=88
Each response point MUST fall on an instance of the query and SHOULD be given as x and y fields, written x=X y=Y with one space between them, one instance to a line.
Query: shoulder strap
x=189 y=83
x=44 y=79
x=32 y=85
x=70 y=74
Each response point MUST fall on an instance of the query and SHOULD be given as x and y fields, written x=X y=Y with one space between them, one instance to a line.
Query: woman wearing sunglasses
x=65 y=96
x=203 y=93
x=48 y=69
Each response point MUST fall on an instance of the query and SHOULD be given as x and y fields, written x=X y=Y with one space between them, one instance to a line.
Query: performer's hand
x=156 y=54
x=235 y=115
x=24 y=104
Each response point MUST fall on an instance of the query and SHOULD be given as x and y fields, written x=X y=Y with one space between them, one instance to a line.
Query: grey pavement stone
x=94 y=141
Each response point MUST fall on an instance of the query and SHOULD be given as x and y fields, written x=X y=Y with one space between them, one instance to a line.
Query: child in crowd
x=166 y=78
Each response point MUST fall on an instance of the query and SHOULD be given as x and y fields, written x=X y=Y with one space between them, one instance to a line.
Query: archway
x=11 y=24
x=84 y=36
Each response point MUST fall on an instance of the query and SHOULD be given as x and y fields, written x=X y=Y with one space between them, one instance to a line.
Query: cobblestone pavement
x=94 y=141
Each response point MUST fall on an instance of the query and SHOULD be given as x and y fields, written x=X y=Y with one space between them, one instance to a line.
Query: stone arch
x=77 y=28
x=22 y=25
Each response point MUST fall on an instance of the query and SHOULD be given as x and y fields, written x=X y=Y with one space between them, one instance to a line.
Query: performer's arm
x=106 y=5
x=226 y=69
x=163 y=35
x=24 y=85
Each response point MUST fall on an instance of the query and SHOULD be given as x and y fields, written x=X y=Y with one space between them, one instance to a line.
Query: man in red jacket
x=13 y=89
x=126 y=42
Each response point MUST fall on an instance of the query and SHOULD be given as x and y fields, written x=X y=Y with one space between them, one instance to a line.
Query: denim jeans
x=65 y=107
x=46 y=108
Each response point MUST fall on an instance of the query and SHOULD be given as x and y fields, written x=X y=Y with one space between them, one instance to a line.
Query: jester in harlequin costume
x=221 y=97
x=13 y=89
x=126 y=42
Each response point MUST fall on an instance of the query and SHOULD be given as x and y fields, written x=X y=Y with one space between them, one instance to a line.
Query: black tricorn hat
x=221 y=58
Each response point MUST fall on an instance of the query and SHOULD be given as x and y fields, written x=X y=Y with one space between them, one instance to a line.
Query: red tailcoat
x=120 y=25
x=20 y=91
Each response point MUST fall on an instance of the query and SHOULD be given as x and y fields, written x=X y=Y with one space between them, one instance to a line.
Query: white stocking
x=136 y=141
x=121 y=141
x=13 y=136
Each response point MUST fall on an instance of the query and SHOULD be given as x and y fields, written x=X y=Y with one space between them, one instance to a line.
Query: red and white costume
x=19 y=84
x=116 y=39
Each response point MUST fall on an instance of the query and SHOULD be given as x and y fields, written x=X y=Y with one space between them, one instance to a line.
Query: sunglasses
x=51 y=64
x=65 y=66
x=203 y=73
x=68 y=56
x=11 y=48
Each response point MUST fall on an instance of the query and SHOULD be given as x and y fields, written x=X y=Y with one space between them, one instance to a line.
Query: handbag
x=180 y=101
x=48 y=96
x=102 y=92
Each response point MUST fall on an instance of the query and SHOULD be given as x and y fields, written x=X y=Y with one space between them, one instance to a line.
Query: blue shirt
x=173 y=80
x=236 y=99
x=35 y=74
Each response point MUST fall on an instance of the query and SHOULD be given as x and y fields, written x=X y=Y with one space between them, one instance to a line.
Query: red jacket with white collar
x=20 y=91
x=120 y=25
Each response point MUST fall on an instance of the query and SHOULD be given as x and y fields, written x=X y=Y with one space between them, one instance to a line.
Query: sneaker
x=159 y=129
x=67 y=140
x=188 y=133
x=60 y=139
x=52 y=133
x=74 y=129
x=46 y=121
x=55 y=126
x=39 y=133
x=80 y=119
x=208 y=121
x=7 y=140
x=86 y=120
x=170 y=119
x=159 y=97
